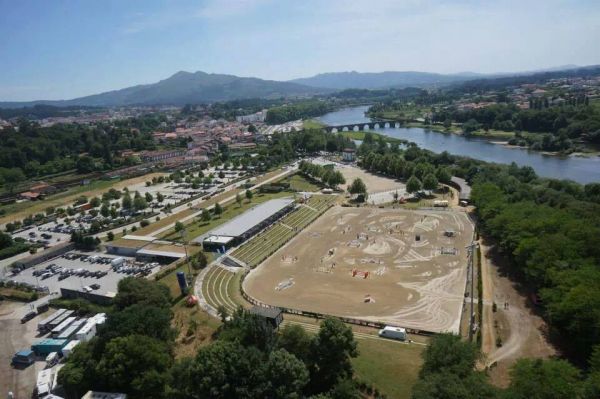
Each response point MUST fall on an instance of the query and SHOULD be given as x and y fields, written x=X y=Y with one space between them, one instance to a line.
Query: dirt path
x=15 y=336
x=521 y=330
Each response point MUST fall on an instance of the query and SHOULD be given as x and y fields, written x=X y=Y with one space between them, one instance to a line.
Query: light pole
x=470 y=249
x=187 y=260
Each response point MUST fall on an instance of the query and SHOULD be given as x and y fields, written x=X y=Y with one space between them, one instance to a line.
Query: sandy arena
x=368 y=263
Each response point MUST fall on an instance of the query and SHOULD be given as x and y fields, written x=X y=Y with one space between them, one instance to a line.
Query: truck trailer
x=44 y=324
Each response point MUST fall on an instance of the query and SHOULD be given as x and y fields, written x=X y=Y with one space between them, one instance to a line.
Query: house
x=273 y=316
x=348 y=154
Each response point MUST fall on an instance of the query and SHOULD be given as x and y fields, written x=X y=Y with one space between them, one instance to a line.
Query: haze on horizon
x=66 y=49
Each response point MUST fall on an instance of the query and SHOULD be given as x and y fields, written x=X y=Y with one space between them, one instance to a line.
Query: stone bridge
x=362 y=126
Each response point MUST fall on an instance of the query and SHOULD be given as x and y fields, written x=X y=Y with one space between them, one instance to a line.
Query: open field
x=20 y=210
x=391 y=367
x=367 y=263
x=375 y=183
x=259 y=247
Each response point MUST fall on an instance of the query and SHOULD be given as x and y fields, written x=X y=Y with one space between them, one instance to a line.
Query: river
x=580 y=169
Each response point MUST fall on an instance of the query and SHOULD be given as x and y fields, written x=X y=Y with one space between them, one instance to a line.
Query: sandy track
x=521 y=330
x=410 y=283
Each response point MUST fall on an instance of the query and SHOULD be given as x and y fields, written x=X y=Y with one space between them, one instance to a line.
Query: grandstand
x=239 y=229
x=261 y=246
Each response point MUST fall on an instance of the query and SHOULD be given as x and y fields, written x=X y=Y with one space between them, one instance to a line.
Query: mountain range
x=201 y=87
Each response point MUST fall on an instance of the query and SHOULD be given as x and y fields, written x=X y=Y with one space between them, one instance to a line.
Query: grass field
x=195 y=329
x=391 y=367
x=300 y=183
x=259 y=247
x=312 y=124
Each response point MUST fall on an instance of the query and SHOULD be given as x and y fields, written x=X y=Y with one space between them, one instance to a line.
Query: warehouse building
x=146 y=248
x=240 y=228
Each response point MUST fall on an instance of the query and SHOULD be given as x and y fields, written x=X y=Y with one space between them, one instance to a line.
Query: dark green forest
x=30 y=151
x=300 y=110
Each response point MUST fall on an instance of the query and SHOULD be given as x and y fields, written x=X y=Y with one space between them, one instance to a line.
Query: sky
x=60 y=49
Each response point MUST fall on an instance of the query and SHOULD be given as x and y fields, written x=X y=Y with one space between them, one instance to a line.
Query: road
x=521 y=330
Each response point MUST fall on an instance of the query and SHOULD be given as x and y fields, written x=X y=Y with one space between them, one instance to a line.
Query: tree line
x=565 y=123
x=29 y=150
x=133 y=353
x=449 y=372
x=300 y=110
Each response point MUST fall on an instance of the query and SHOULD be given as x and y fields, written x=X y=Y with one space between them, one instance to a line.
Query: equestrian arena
x=400 y=267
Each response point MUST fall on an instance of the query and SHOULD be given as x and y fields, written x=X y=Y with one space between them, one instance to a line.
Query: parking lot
x=91 y=272
x=46 y=235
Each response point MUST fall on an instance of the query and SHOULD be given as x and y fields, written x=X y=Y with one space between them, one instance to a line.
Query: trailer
x=393 y=333
x=56 y=331
x=23 y=357
x=68 y=349
x=87 y=332
x=45 y=380
x=43 y=325
x=59 y=320
x=45 y=346
x=72 y=329
x=117 y=261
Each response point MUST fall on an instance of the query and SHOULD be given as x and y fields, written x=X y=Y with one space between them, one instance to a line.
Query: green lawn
x=312 y=124
x=391 y=367
x=300 y=183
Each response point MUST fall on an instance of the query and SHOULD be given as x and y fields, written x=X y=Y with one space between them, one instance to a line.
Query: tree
x=357 y=187
x=140 y=319
x=544 y=379
x=95 y=202
x=6 y=240
x=285 y=375
x=110 y=236
x=148 y=197
x=218 y=209
x=133 y=291
x=249 y=195
x=159 y=197
x=228 y=370
x=126 y=202
x=413 y=185
x=85 y=164
x=333 y=348
x=430 y=182
x=295 y=340
x=199 y=261
x=238 y=199
x=104 y=210
x=443 y=175
x=336 y=178
x=139 y=203
x=206 y=216
x=135 y=364
x=448 y=353
x=470 y=126
x=179 y=227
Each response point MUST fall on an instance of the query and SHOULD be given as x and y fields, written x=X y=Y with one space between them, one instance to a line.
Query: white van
x=391 y=332
x=52 y=359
